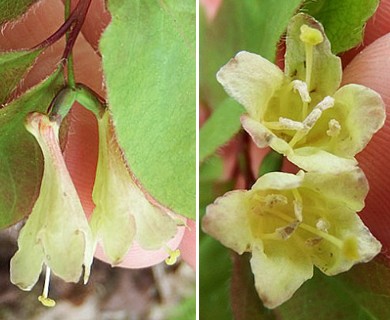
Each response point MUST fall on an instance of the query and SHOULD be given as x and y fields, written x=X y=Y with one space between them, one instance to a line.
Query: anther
x=301 y=87
x=334 y=128
x=173 y=255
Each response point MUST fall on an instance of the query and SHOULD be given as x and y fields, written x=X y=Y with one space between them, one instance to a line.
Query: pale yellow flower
x=56 y=233
x=123 y=213
x=290 y=223
x=301 y=113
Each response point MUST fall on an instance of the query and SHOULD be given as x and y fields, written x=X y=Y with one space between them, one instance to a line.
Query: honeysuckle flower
x=56 y=233
x=301 y=113
x=123 y=213
x=290 y=223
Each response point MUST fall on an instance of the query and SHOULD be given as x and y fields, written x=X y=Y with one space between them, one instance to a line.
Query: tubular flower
x=56 y=233
x=123 y=213
x=290 y=223
x=301 y=113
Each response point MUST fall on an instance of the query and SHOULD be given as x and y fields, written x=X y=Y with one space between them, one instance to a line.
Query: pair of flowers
x=291 y=222
x=57 y=233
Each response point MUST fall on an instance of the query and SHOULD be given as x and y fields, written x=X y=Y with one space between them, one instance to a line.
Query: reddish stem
x=74 y=22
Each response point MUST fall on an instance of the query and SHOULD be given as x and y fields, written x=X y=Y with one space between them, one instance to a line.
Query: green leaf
x=223 y=124
x=254 y=26
x=273 y=161
x=361 y=293
x=149 y=65
x=215 y=270
x=20 y=157
x=11 y=9
x=343 y=21
x=186 y=310
x=13 y=65
x=211 y=169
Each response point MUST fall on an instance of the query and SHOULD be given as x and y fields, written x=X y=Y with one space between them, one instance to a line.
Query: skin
x=369 y=65
x=81 y=158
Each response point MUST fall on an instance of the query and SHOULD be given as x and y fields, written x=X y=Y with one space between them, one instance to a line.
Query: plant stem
x=72 y=24
x=82 y=8
x=70 y=68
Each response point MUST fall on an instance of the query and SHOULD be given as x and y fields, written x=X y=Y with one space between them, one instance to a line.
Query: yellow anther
x=310 y=35
x=173 y=255
x=334 y=128
x=47 y=302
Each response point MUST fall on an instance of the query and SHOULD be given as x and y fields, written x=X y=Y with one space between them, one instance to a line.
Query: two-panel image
x=194 y=159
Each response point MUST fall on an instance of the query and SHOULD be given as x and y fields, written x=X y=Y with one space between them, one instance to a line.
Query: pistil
x=44 y=299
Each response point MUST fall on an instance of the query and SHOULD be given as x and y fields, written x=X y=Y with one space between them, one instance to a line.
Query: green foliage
x=20 y=157
x=215 y=267
x=223 y=124
x=343 y=21
x=245 y=301
x=13 y=65
x=273 y=161
x=361 y=293
x=149 y=65
x=11 y=9
x=186 y=309
x=255 y=26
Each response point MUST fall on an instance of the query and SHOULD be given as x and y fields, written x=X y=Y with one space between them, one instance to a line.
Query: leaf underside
x=149 y=65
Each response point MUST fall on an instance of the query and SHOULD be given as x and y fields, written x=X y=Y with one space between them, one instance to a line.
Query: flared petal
x=364 y=112
x=326 y=67
x=226 y=220
x=279 y=268
x=350 y=188
x=353 y=243
x=251 y=80
x=316 y=159
x=279 y=181
x=263 y=137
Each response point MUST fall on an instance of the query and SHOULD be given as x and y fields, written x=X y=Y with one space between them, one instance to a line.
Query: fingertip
x=188 y=244
x=372 y=69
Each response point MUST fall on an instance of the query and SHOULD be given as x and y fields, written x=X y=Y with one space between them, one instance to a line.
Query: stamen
x=271 y=200
x=301 y=87
x=334 y=128
x=47 y=302
x=173 y=255
x=284 y=124
x=311 y=242
x=287 y=231
x=298 y=207
x=312 y=118
x=332 y=239
x=322 y=225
